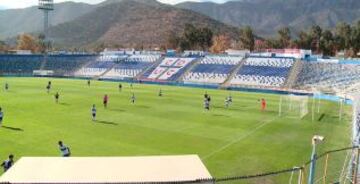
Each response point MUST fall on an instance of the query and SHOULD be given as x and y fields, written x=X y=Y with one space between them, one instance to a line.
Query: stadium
x=275 y=116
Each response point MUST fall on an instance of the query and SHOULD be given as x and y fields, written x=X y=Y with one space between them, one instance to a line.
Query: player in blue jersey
x=8 y=163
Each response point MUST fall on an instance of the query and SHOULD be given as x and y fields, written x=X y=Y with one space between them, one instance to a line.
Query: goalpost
x=293 y=106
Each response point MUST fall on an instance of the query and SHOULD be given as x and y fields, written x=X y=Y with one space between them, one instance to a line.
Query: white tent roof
x=106 y=169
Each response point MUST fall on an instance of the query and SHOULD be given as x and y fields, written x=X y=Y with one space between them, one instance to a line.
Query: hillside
x=267 y=16
x=131 y=23
x=16 y=21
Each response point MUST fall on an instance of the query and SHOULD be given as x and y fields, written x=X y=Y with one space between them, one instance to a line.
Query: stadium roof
x=106 y=170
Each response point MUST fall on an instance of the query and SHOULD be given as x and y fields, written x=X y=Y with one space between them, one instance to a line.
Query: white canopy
x=106 y=169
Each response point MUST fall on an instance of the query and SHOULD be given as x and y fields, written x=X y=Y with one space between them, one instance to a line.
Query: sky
x=9 y=4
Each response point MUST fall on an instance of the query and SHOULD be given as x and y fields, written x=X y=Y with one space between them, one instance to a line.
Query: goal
x=294 y=106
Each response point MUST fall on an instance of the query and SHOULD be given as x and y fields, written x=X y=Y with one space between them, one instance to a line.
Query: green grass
x=236 y=141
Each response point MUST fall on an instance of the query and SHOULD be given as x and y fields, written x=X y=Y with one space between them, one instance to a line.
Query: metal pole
x=313 y=109
x=319 y=103
x=46 y=44
x=280 y=104
x=46 y=23
x=300 y=176
x=356 y=169
x=341 y=109
x=312 y=165
x=325 y=168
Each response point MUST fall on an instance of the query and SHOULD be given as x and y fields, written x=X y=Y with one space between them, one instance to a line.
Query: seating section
x=118 y=67
x=169 y=69
x=132 y=66
x=20 y=64
x=328 y=75
x=263 y=72
x=67 y=64
x=95 y=69
x=212 y=69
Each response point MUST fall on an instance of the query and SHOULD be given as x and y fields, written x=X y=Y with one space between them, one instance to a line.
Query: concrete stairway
x=189 y=69
x=104 y=73
x=293 y=74
x=154 y=65
x=232 y=74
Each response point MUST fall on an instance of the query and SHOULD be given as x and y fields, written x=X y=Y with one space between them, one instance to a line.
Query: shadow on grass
x=106 y=122
x=117 y=110
x=65 y=104
x=220 y=115
x=321 y=117
x=143 y=106
x=12 y=128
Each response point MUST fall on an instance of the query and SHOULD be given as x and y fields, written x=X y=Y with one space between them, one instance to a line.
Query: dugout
x=95 y=170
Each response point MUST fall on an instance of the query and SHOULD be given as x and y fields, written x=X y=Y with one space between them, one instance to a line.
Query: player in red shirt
x=106 y=100
x=263 y=104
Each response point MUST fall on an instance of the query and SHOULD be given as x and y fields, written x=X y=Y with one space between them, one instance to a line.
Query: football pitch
x=240 y=140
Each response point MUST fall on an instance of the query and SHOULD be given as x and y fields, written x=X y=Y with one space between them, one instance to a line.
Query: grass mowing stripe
x=262 y=124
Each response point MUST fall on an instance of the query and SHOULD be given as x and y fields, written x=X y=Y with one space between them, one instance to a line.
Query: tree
x=184 y=45
x=172 y=41
x=220 y=44
x=205 y=36
x=327 y=43
x=284 y=37
x=27 y=42
x=193 y=38
x=343 y=36
x=3 y=46
x=41 y=42
x=315 y=34
x=355 y=38
x=99 y=47
x=303 y=41
x=273 y=43
x=247 y=38
x=190 y=35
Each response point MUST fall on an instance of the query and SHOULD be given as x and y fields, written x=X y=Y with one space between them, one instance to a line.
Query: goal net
x=293 y=106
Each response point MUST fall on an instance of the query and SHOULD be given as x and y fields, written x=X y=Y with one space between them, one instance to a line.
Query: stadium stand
x=328 y=75
x=95 y=69
x=212 y=69
x=131 y=66
x=67 y=64
x=169 y=69
x=20 y=64
x=263 y=72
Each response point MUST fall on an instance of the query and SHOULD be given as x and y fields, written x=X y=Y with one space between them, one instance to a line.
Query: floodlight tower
x=46 y=6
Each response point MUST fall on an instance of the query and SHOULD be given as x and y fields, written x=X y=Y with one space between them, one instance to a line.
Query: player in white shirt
x=6 y=86
x=133 y=98
x=65 y=151
x=93 y=112
x=1 y=116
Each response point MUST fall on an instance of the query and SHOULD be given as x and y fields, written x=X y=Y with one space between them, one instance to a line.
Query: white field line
x=264 y=123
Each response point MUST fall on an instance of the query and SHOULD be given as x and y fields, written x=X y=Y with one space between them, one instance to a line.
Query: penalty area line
x=264 y=123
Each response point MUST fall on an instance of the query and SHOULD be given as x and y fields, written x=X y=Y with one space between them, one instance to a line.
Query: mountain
x=267 y=16
x=131 y=23
x=16 y=21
